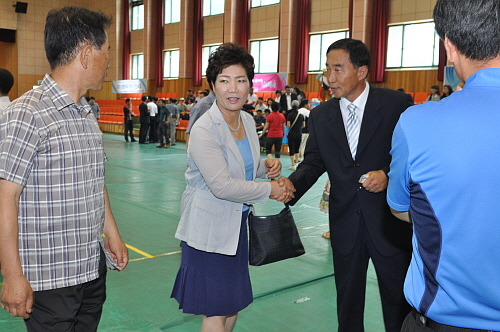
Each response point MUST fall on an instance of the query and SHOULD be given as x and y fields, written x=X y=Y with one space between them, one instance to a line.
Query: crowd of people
x=411 y=188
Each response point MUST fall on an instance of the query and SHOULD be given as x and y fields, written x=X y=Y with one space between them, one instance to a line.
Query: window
x=137 y=14
x=172 y=11
x=260 y=3
x=171 y=64
x=412 y=46
x=318 y=45
x=213 y=7
x=265 y=55
x=205 y=54
x=137 y=66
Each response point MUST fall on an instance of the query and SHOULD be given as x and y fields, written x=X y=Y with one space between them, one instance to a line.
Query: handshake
x=282 y=190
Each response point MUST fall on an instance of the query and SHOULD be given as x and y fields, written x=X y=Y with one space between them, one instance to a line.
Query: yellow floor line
x=139 y=251
x=165 y=254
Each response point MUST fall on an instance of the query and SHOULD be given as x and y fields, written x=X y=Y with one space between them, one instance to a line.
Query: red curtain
x=198 y=41
x=442 y=60
x=380 y=18
x=126 y=41
x=158 y=7
x=244 y=20
x=351 y=12
x=303 y=28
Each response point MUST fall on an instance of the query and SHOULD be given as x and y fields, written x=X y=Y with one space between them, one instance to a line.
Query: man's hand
x=273 y=168
x=118 y=251
x=288 y=190
x=376 y=181
x=17 y=296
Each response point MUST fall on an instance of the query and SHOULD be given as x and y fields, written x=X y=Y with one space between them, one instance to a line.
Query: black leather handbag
x=273 y=238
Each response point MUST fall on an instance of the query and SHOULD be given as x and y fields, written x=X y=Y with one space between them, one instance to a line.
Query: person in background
x=278 y=96
x=57 y=230
x=295 y=121
x=197 y=111
x=269 y=103
x=434 y=94
x=252 y=98
x=128 y=122
x=190 y=97
x=324 y=89
x=434 y=186
x=163 y=126
x=144 y=120
x=447 y=91
x=6 y=83
x=153 y=126
x=300 y=94
x=94 y=107
x=304 y=109
x=260 y=104
x=174 y=121
x=286 y=99
x=275 y=130
x=223 y=162
x=260 y=120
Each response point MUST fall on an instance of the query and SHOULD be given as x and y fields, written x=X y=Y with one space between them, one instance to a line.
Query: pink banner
x=269 y=82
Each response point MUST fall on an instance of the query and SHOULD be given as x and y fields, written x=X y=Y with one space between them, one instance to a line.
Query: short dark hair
x=205 y=93
x=92 y=98
x=69 y=29
x=359 y=55
x=226 y=55
x=275 y=107
x=127 y=100
x=303 y=102
x=472 y=26
x=144 y=98
x=6 y=81
x=150 y=98
x=173 y=100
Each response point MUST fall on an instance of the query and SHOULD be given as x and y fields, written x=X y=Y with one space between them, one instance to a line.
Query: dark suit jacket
x=144 y=117
x=328 y=150
x=283 y=103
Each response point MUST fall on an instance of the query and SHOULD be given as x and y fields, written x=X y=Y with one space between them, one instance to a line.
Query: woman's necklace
x=239 y=125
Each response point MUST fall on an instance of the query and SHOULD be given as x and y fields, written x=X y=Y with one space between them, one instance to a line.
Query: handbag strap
x=295 y=119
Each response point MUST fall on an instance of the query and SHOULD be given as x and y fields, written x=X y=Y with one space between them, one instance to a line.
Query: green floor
x=145 y=185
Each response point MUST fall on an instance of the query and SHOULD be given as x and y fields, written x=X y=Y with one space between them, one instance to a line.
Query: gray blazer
x=216 y=189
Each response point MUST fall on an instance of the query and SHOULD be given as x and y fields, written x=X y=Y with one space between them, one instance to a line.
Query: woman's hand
x=282 y=190
x=273 y=168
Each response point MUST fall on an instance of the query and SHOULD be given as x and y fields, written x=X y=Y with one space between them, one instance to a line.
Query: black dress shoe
x=133 y=140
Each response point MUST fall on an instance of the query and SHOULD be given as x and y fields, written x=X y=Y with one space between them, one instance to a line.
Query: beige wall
x=410 y=10
x=275 y=21
x=328 y=15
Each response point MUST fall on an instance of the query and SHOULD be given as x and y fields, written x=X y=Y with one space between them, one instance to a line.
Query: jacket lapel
x=371 y=120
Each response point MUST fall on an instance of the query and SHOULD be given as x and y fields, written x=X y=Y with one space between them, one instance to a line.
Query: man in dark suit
x=286 y=99
x=361 y=224
x=145 y=121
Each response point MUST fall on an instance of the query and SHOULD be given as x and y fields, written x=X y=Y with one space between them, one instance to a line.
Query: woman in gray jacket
x=223 y=162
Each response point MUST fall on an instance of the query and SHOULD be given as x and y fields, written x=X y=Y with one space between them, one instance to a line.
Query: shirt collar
x=359 y=102
x=59 y=97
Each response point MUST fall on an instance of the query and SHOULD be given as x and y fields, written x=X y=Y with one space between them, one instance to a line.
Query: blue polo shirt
x=445 y=170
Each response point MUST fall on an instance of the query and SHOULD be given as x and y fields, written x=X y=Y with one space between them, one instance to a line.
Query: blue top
x=246 y=153
x=445 y=170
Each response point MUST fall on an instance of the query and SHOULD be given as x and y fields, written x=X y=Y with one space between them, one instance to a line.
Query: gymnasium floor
x=145 y=185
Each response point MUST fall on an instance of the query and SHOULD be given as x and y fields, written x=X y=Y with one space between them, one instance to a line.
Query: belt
x=438 y=327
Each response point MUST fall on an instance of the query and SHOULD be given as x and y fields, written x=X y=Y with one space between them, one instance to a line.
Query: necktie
x=353 y=129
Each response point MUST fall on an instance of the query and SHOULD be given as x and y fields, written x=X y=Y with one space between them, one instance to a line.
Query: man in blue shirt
x=444 y=179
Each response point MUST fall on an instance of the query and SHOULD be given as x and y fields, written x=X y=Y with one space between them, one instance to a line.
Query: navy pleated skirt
x=213 y=284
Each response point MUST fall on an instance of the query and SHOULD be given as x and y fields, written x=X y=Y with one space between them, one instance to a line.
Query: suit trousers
x=70 y=309
x=350 y=279
x=143 y=132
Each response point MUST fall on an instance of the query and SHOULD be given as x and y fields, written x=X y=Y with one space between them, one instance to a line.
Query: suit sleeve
x=312 y=167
